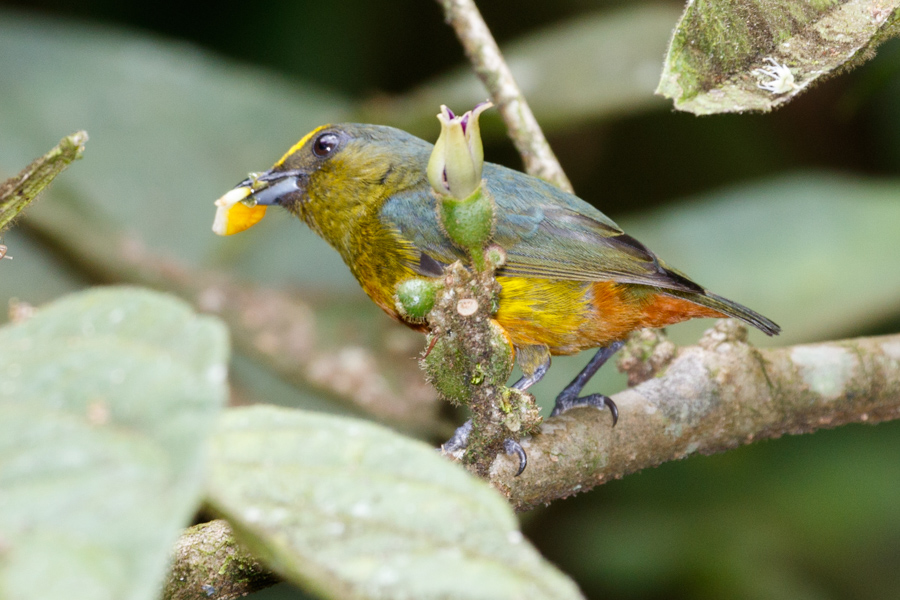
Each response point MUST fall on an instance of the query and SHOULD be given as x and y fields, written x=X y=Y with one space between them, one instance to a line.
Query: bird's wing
x=564 y=244
x=551 y=234
x=547 y=234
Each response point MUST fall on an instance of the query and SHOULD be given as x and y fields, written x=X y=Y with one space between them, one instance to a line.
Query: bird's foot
x=459 y=441
x=566 y=402
x=511 y=446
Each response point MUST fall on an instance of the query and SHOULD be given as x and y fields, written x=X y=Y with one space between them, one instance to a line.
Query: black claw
x=598 y=401
x=511 y=446
x=568 y=398
x=460 y=441
x=612 y=408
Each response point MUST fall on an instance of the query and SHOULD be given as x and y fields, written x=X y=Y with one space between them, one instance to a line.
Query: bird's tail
x=730 y=308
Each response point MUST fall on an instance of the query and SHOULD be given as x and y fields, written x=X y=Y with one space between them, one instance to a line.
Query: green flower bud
x=454 y=168
x=415 y=298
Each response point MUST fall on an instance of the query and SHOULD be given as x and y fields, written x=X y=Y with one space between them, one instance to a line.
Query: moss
x=445 y=368
x=718 y=44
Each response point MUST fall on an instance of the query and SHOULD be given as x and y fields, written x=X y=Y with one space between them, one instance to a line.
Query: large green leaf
x=106 y=400
x=714 y=61
x=352 y=510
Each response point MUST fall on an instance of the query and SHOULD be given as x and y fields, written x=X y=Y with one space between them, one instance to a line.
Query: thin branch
x=493 y=71
x=715 y=396
x=209 y=563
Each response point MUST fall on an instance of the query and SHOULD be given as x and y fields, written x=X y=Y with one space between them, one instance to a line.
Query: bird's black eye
x=325 y=144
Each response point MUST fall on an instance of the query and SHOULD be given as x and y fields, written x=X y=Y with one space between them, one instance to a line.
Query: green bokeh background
x=795 y=213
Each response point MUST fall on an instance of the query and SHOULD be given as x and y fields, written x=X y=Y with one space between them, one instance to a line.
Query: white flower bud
x=454 y=168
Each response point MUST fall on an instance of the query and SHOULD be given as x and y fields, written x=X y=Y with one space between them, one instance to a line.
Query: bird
x=572 y=280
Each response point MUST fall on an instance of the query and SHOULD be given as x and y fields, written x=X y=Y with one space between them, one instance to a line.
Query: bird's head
x=332 y=176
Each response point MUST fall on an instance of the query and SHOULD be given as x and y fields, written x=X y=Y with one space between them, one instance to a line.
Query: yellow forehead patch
x=300 y=144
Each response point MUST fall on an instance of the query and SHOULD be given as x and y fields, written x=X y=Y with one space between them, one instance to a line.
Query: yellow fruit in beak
x=233 y=215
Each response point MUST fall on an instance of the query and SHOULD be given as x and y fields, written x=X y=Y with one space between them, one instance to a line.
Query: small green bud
x=495 y=256
x=454 y=168
x=415 y=298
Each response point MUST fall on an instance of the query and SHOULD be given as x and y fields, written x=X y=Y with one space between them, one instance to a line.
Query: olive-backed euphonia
x=572 y=279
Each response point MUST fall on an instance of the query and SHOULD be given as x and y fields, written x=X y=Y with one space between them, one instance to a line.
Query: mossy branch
x=712 y=397
x=469 y=360
x=209 y=563
x=16 y=192
x=491 y=68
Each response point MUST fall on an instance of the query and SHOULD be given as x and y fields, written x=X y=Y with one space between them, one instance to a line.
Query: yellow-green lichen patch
x=735 y=56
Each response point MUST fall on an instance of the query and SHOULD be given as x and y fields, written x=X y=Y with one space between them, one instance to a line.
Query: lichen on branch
x=715 y=396
x=209 y=563
x=469 y=360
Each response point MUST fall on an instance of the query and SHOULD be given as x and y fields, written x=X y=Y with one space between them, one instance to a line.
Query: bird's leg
x=534 y=361
x=460 y=441
x=569 y=398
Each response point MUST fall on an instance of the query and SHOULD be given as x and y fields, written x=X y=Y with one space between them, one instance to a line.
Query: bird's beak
x=245 y=205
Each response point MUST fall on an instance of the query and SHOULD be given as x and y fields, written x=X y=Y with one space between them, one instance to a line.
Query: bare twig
x=209 y=563
x=493 y=71
x=713 y=397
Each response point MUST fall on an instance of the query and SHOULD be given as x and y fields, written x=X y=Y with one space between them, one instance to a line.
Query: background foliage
x=794 y=213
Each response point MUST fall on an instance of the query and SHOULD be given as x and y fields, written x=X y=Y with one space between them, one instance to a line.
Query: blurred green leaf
x=717 y=48
x=36 y=275
x=352 y=510
x=595 y=66
x=16 y=192
x=172 y=128
x=105 y=401
x=814 y=252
